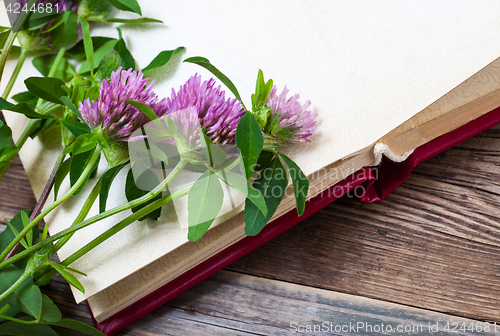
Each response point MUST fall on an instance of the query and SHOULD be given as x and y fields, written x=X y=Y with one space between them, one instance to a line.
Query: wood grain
x=433 y=244
x=230 y=303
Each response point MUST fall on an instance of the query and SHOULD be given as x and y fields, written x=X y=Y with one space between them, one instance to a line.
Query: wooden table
x=427 y=256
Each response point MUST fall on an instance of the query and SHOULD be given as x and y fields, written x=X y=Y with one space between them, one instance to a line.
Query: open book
x=383 y=77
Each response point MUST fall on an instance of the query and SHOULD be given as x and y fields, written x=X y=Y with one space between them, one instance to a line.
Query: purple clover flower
x=219 y=115
x=289 y=121
x=187 y=125
x=110 y=113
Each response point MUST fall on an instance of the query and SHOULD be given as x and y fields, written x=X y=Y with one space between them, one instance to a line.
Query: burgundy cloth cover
x=390 y=176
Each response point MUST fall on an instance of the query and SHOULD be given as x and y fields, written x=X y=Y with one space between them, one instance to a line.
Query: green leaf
x=241 y=184
x=87 y=43
x=65 y=34
x=262 y=91
x=272 y=183
x=3 y=38
x=106 y=180
x=39 y=19
x=9 y=275
x=85 y=142
x=7 y=151
x=41 y=126
x=158 y=153
x=16 y=233
x=214 y=154
x=204 y=203
x=250 y=142
x=122 y=50
x=148 y=111
x=27 y=297
x=26 y=222
x=11 y=313
x=127 y=5
x=300 y=183
x=265 y=158
x=65 y=333
x=78 y=51
x=62 y=172
x=25 y=97
x=8 y=235
x=99 y=54
x=132 y=192
x=75 y=127
x=21 y=329
x=71 y=106
x=22 y=108
x=140 y=20
x=157 y=134
x=78 y=326
x=206 y=146
x=66 y=268
x=44 y=63
x=15 y=51
x=5 y=135
x=47 y=88
x=78 y=164
x=203 y=62
x=70 y=278
x=50 y=312
x=161 y=59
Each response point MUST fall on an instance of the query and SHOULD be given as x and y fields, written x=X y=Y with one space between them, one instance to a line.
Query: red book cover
x=390 y=176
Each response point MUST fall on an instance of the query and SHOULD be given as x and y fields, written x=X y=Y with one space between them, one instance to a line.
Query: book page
x=366 y=68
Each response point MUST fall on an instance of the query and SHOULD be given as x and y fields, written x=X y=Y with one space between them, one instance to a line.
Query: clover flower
x=289 y=121
x=187 y=125
x=111 y=115
x=219 y=116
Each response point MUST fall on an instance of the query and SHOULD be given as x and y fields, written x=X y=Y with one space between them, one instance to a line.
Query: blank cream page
x=366 y=66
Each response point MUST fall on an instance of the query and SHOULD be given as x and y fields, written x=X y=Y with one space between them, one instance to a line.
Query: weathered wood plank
x=434 y=243
x=15 y=192
x=230 y=303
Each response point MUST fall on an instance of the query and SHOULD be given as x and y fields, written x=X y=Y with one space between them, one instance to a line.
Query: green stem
x=6 y=50
x=124 y=223
x=81 y=216
x=71 y=191
x=14 y=286
x=15 y=74
x=270 y=149
x=115 y=229
x=55 y=65
x=43 y=197
x=5 y=309
x=150 y=195
x=13 y=319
